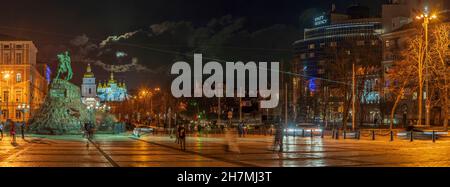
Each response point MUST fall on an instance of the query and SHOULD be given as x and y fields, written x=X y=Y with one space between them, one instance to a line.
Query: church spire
x=111 y=78
x=89 y=73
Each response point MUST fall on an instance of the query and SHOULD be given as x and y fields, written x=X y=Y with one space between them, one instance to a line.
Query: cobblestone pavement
x=149 y=151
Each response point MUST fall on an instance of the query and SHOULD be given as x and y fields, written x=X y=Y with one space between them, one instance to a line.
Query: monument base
x=62 y=111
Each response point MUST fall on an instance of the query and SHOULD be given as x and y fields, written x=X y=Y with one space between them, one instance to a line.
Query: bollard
x=337 y=134
x=392 y=136
x=411 y=137
x=303 y=132
x=311 y=131
x=345 y=134
x=373 y=134
x=323 y=131
x=358 y=136
x=433 y=136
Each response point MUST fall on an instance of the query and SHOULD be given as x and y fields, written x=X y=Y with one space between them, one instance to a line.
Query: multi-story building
x=23 y=82
x=354 y=35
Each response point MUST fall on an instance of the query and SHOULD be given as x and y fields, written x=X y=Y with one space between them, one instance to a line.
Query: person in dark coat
x=182 y=137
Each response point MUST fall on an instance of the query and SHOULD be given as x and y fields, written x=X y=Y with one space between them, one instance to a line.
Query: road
x=155 y=151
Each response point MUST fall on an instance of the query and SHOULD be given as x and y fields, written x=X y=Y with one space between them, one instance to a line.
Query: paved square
x=154 y=151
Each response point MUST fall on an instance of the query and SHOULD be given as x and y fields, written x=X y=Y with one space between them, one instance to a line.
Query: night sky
x=161 y=32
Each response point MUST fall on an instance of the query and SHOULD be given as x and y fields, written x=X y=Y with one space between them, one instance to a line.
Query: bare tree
x=401 y=78
x=440 y=71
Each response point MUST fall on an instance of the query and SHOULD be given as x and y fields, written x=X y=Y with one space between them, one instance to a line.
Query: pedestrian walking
x=278 y=138
x=22 y=129
x=1 y=130
x=91 y=130
x=86 y=133
x=231 y=141
x=182 y=137
x=241 y=129
x=86 y=130
x=177 y=135
x=12 y=131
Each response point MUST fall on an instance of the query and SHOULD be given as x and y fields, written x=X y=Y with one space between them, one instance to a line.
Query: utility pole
x=353 y=98
x=285 y=105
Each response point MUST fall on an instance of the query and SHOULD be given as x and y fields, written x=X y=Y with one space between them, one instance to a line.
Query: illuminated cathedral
x=112 y=91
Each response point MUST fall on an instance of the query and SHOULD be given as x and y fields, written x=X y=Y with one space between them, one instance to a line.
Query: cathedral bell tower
x=89 y=88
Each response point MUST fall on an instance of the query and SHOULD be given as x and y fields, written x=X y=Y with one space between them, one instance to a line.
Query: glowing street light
x=426 y=17
x=7 y=74
x=24 y=108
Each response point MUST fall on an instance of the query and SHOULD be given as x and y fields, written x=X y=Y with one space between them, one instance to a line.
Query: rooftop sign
x=320 y=20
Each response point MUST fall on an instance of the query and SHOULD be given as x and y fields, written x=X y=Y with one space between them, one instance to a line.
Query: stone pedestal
x=62 y=112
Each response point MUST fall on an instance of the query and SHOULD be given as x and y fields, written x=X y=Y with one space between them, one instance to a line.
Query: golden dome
x=111 y=79
x=89 y=73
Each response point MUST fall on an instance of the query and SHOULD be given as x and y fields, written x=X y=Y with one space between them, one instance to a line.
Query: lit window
x=19 y=58
x=19 y=77
x=312 y=46
x=6 y=58
x=18 y=96
x=388 y=43
x=333 y=44
x=415 y=96
x=18 y=114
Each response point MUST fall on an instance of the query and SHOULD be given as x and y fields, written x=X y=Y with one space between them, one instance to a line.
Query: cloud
x=133 y=66
x=111 y=39
x=80 y=40
x=88 y=52
x=155 y=48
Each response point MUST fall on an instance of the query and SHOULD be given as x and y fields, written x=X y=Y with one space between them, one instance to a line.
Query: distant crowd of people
x=13 y=127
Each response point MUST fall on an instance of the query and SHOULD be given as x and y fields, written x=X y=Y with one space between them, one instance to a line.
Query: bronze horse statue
x=64 y=65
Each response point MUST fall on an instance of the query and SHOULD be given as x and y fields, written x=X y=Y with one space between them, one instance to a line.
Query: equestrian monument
x=62 y=111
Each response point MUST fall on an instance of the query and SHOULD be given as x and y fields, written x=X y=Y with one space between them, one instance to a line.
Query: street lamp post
x=426 y=17
x=144 y=93
x=23 y=108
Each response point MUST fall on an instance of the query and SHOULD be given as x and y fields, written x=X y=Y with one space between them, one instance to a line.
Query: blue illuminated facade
x=112 y=91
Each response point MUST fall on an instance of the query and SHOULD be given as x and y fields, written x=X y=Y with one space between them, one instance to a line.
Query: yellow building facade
x=23 y=82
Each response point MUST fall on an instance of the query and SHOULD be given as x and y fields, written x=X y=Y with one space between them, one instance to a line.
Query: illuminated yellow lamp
x=7 y=74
